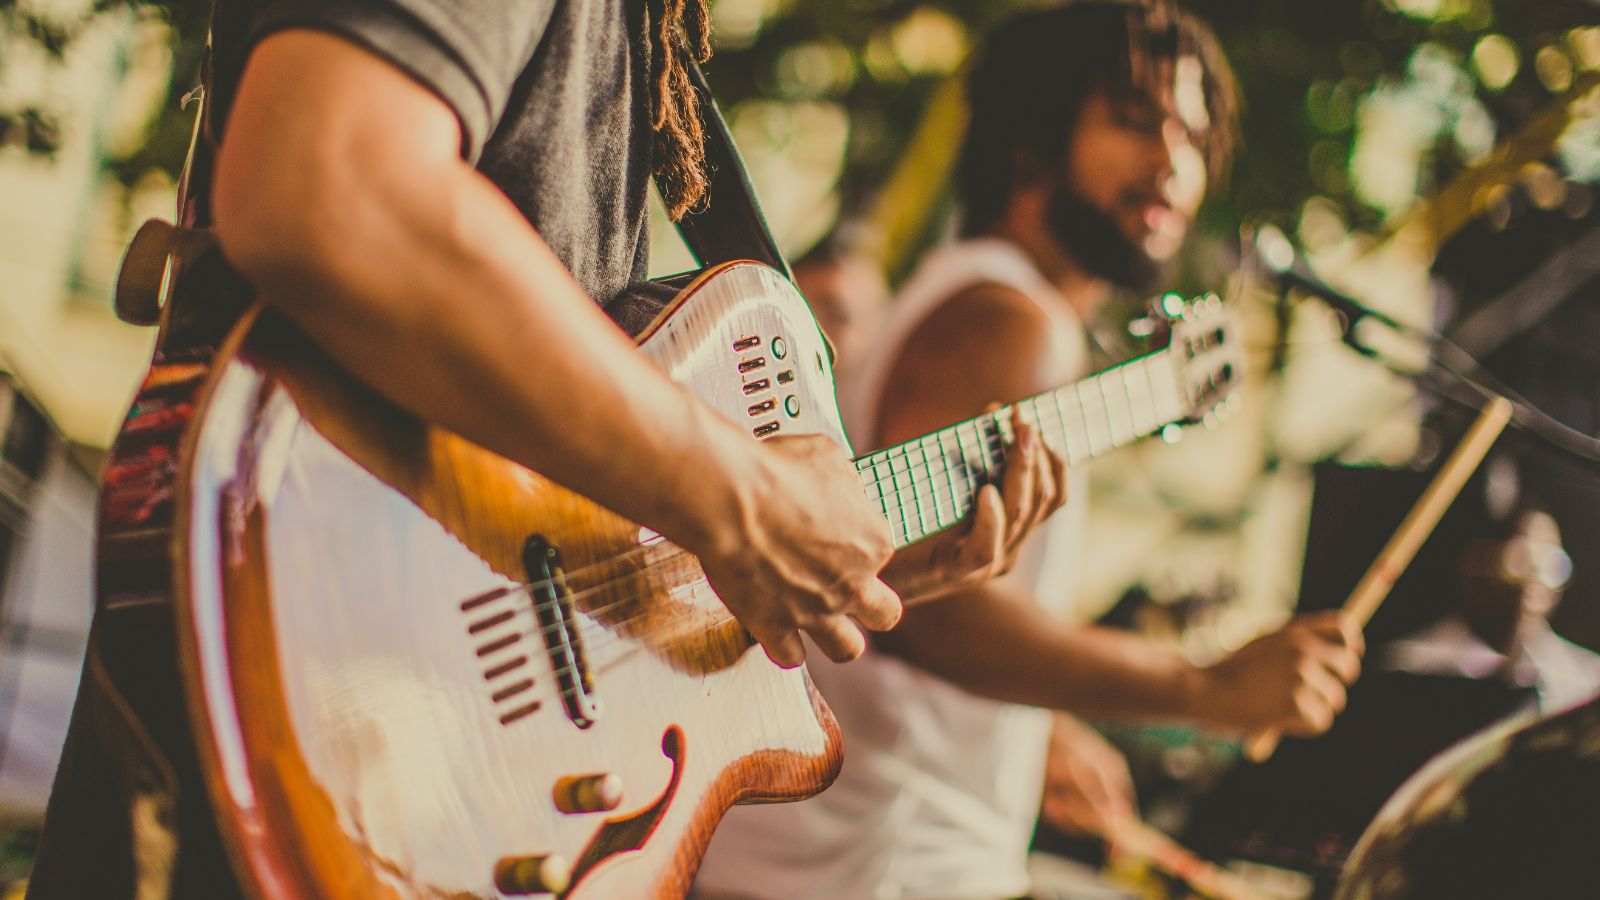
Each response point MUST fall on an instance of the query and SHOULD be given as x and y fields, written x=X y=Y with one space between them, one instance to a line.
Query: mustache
x=1138 y=197
x=1092 y=237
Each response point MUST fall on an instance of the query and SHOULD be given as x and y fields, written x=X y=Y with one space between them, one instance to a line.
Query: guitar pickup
x=558 y=623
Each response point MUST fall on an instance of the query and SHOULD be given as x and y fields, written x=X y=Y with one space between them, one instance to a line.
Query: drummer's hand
x=1087 y=786
x=1292 y=680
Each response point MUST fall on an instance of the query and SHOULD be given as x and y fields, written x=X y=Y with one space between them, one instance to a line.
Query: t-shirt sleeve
x=469 y=52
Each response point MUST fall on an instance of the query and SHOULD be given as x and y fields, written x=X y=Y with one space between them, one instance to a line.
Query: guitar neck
x=928 y=484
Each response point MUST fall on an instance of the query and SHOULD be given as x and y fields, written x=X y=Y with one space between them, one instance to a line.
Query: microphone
x=1353 y=309
x=1290 y=270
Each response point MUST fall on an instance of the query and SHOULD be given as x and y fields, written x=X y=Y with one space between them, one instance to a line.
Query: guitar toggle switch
x=543 y=874
x=598 y=792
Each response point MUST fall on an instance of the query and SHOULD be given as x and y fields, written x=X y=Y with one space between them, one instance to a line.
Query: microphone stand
x=1465 y=382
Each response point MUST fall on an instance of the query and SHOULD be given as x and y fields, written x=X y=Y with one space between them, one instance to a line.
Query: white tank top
x=940 y=788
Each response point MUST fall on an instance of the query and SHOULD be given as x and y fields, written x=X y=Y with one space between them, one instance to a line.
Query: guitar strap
x=730 y=225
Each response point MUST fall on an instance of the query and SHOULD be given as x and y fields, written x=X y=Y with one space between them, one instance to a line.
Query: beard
x=1092 y=238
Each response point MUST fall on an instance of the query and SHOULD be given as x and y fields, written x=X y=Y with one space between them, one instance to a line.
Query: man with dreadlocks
x=444 y=194
x=1086 y=156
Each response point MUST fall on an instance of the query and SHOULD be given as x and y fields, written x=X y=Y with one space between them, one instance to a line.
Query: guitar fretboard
x=928 y=484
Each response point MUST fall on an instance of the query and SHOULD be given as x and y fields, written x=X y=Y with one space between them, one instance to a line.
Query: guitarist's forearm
x=386 y=256
x=995 y=642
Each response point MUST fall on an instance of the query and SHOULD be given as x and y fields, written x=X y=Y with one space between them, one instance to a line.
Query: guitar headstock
x=1206 y=357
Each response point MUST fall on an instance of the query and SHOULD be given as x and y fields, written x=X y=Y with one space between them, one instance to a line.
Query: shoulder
x=1001 y=335
x=988 y=343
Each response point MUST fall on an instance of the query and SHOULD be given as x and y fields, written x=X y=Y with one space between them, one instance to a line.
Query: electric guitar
x=416 y=669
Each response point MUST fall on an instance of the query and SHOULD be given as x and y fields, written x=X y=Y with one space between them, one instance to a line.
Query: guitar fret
x=1167 y=391
x=958 y=504
x=1139 y=400
x=879 y=471
x=941 y=469
x=927 y=481
x=916 y=493
x=929 y=485
x=1136 y=415
x=1117 y=418
x=897 y=481
x=966 y=463
x=1093 y=418
x=985 y=459
x=1073 y=425
x=920 y=492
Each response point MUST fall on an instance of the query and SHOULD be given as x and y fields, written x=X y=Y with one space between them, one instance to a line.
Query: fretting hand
x=1034 y=486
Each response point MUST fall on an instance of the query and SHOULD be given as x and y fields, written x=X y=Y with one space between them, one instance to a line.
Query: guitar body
x=384 y=707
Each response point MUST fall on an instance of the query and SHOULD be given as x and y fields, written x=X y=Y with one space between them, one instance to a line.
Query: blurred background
x=1436 y=158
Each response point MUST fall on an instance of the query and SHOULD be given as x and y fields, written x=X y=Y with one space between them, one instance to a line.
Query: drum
x=1513 y=811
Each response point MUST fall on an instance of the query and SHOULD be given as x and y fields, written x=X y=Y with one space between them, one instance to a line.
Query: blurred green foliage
x=1310 y=73
x=31 y=123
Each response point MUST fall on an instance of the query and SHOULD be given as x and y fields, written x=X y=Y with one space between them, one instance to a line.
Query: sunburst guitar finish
x=417 y=669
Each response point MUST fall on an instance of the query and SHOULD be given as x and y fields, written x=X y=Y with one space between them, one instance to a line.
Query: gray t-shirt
x=552 y=96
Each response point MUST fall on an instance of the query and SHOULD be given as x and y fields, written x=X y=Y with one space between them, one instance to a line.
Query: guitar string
x=672 y=555
x=677 y=554
x=645 y=548
x=993 y=440
x=1113 y=441
x=992 y=444
x=594 y=647
x=928 y=489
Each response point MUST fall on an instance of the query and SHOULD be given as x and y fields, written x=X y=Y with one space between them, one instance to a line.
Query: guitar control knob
x=546 y=874
x=587 y=793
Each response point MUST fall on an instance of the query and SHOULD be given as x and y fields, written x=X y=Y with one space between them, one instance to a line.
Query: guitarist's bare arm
x=995 y=640
x=341 y=195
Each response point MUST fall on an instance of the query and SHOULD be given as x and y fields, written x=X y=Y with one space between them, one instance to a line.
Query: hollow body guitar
x=416 y=669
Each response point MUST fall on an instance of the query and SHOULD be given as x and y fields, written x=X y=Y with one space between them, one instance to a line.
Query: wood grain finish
x=342 y=568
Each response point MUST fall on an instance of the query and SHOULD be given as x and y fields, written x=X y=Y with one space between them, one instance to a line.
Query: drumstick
x=1133 y=837
x=1391 y=563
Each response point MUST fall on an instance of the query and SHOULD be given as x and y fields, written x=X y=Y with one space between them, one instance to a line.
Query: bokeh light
x=929 y=42
x=737 y=23
x=1496 y=61
x=1585 y=45
x=816 y=69
x=1554 y=68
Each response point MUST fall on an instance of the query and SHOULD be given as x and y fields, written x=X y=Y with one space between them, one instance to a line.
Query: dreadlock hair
x=1028 y=86
x=674 y=30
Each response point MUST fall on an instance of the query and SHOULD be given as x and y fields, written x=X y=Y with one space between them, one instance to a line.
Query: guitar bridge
x=558 y=624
